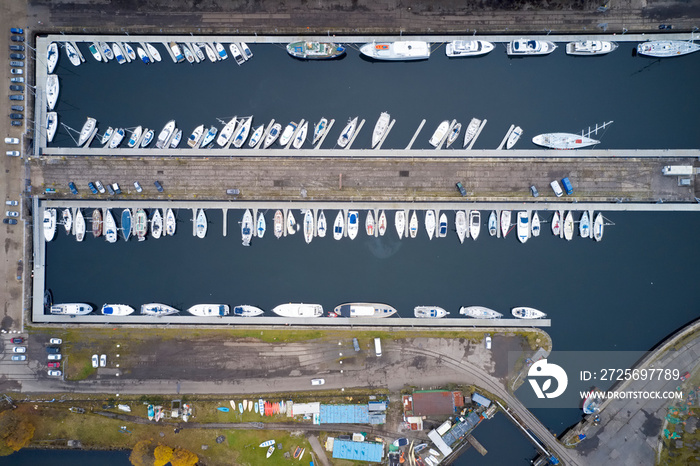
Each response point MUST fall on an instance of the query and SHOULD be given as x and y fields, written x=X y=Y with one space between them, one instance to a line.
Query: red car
x=18 y=340
x=685 y=376
x=54 y=365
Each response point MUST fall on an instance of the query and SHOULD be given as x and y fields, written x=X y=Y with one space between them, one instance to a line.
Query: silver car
x=138 y=187
x=55 y=373
x=54 y=357
x=99 y=187
x=19 y=349
x=12 y=213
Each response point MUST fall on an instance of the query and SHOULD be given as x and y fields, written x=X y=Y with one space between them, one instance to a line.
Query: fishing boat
x=291 y=223
x=272 y=135
x=590 y=47
x=52 y=57
x=52 y=89
x=288 y=133
x=454 y=134
x=535 y=224
x=126 y=224
x=177 y=53
x=439 y=134
x=598 y=226
x=67 y=220
x=308 y=226
x=347 y=132
x=381 y=223
x=209 y=136
x=156 y=224
x=592 y=403
x=153 y=51
x=73 y=309
x=429 y=312
x=227 y=132
x=118 y=53
x=79 y=226
x=461 y=225
x=300 y=138
x=270 y=451
x=189 y=56
x=493 y=223
x=89 y=128
x=505 y=222
x=165 y=134
x=320 y=129
x=116 y=310
x=469 y=134
x=298 y=310
x=308 y=50
x=474 y=224
x=221 y=51
x=72 y=54
x=201 y=226
x=261 y=225
x=584 y=225
x=369 y=223
x=158 y=309
x=106 y=51
x=135 y=136
x=196 y=137
x=527 y=313
x=564 y=141
x=513 y=137
x=667 y=48
x=400 y=50
x=236 y=53
x=279 y=224
x=246 y=310
x=242 y=132
x=339 y=226
x=110 y=227
x=117 y=138
x=247 y=54
x=247 y=227
x=442 y=226
x=363 y=310
x=480 y=312
x=143 y=56
x=467 y=48
x=400 y=222
x=51 y=125
x=148 y=136
x=96 y=223
x=353 y=223
x=569 y=226
x=208 y=310
x=521 y=47
x=321 y=225
x=413 y=225
x=255 y=137
x=556 y=224
x=430 y=223
x=211 y=54
x=523 y=227
x=170 y=222
x=107 y=136
x=380 y=128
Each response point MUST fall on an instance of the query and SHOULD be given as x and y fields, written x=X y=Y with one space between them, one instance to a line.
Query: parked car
x=17 y=48
x=12 y=153
x=100 y=188
x=55 y=373
x=55 y=341
x=16 y=116
x=685 y=376
x=16 y=87
x=158 y=186
x=17 y=79
x=461 y=189
x=9 y=221
x=17 y=340
x=16 y=123
x=534 y=191
x=19 y=349
x=93 y=190
x=233 y=191
x=54 y=357
x=17 y=108
x=72 y=187
x=103 y=360
x=317 y=381
x=19 y=357
x=16 y=71
x=17 y=30
x=110 y=190
x=12 y=213
x=567 y=186
x=53 y=350
x=95 y=360
x=115 y=186
x=17 y=56
x=16 y=96
x=11 y=202
x=50 y=190
x=53 y=365
x=18 y=64
x=11 y=141
x=138 y=187
x=487 y=341
x=556 y=188
x=17 y=38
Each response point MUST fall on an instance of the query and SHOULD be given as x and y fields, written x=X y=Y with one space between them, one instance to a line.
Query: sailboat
x=381 y=223
x=279 y=224
x=79 y=225
x=126 y=224
x=170 y=222
x=430 y=223
x=321 y=225
x=291 y=223
x=261 y=225
x=535 y=224
x=598 y=226
x=369 y=223
x=201 y=226
x=400 y=222
x=569 y=226
x=67 y=220
x=308 y=226
x=493 y=223
x=110 y=227
x=247 y=227
x=505 y=222
x=461 y=225
x=156 y=224
x=584 y=226
x=339 y=226
x=413 y=225
x=380 y=128
x=347 y=133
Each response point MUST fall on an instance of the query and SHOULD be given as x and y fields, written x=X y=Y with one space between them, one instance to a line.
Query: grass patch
x=85 y=371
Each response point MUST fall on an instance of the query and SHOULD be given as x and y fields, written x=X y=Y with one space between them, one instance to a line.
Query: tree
x=163 y=454
x=15 y=432
x=142 y=454
x=183 y=457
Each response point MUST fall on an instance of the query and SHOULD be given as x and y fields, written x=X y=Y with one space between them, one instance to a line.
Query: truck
x=378 y=347
x=677 y=170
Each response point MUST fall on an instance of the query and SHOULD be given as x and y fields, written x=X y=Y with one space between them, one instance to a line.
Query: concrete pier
x=415 y=135
x=354 y=136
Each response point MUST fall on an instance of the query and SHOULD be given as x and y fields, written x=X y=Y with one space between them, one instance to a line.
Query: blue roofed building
x=344 y=414
x=358 y=451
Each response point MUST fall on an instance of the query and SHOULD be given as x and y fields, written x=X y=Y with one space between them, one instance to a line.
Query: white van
x=556 y=188
x=378 y=347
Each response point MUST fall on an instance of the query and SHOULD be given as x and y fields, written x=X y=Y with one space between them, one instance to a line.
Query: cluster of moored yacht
x=354 y=310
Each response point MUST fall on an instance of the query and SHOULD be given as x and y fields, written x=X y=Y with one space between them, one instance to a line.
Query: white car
x=10 y=202
x=138 y=187
x=55 y=373
x=95 y=360
x=317 y=381
x=12 y=213
x=19 y=349
x=103 y=360
x=55 y=341
x=556 y=188
x=99 y=187
x=11 y=141
x=487 y=342
x=12 y=153
x=54 y=357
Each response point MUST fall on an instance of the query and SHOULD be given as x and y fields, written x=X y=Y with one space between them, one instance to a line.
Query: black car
x=158 y=186
x=53 y=350
x=17 y=48
x=72 y=187
x=16 y=116
x=17 y=38
x=16 y=97
x=9 y=221
x=92 y=188
x=16 y=123
x=17 y=56
x=461 y=189
x=17 y=108
x=16 y=87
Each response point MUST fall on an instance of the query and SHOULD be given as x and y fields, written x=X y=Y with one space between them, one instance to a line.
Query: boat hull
x=368 y=310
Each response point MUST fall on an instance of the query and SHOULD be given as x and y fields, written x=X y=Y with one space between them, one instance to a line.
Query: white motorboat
x=439 y=134
x=110 y=227
x=298 y=310
x=177 y=52
x=209 y=136
x=667 y=48
x=49 y=224
x=527 y=313
x=564 y=141
x=201 y=226
x=521 y=47
x=116 y=310
x=321 y=225
x=143 y=56
x=242 y=131
x=429 y=312
x=261 y=225
x=442 y=226
x=400 y=50
x=66 y=220
x=513 y=137
x=381 y=223
x=165 y=134
x=320 y=129
x=89 y=128
x=584 y=225
x=535 y=224
x=211 y=54
x=347 y=133
x=523 y=228
x=291 y=223
x=51 y=125
x=353 y=223
x=129 y=51
x=94 y=49
x=272 y=135
x=246 y=310
x=430 y=223
x=170 y=222
x=569 y=226
x=196 y=137
x=73 y=309
x=247 y=54
x=279 y=224
x=300 y=138
x=413 y=225
x=209 y=310
x=158 y=309
x=52 y=57
x=454 y=134
x=288 y=133
x=118 y=53
x=52 y=89
x=135 y=136
x=107 y=136
x=556 y=224
x=73 y=56
x=197 y=51
x=79 y=226
x=236 y=53
x=469 y=134
x=153 y=51
x=140 y=224
x=590 y=47
x=221 y=51
x=227 y=132
x=380 y=128
x=255 y=137
x=467 y=48
x=117 y=138
x=148 y=136
x=339 y=226
x=175 y=141
x=505 y=222
x=474 y=224
x=493 y=223
x=480 y=312
x=461 y=225
x=247 y=227
x=156 y=224
x=598 y=226
x=107 y=53
x=308 y=226
x=373 y=310
x=369 y=223
x=400 y=222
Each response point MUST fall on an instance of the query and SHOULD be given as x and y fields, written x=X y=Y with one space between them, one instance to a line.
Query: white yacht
x=442 y=226
x=467 y=48
x=208 y=310
x=255 y=137
x=590 y=47
x=399 y=50
x=308 y=226
x=278 y=224
x=556 y=224
x=242 y=132
x=153 y=51
x=52 y=89
x=236 y=53
x=72 y=54
x=107 y=136
x=429 y=312
x=598 y=226
x=143 y=56
x=380 y=128
x=209 y=136
x=201 y=226
x=363 y=310
x=117 y=138
x=469 y=134
x=118 y=53
x=117 y=310
x=129 y=51
x=439 y=134
x=110 y=227
x=474 y=224
x=227 y=132
x=369 y=223
x=493 y=223
x=667 y=48
x=505 y=222
x=170 y=222
x=339 y=226
x=156 y=224
x=527 y=313
x=247 y=227
x=523 y=228
x=51 y=125
x=461 y=225
x=67 y=220
x=74 y=309
x=521 y=47
x=535 y=224
x=158 y=309
x=261 y=225
x=246 y=310
x=196 y=137
x=221 y=51
x=381 y=223
x=347 y=132
x=353 y=223
x=148 y=135
x=300 y=137
x=79 y=226
x=291 y=223
x=49 y=224
x=480 y=312
x=272 y=135
x=89 y=128
x=52 y=57
x=563 y=141
x=288 y=133
x=413 y=225
x=135 y=136
x=513 y=137
x=430 y=223
x=569 y=226
x=400 y=222
x=584 y=225
x=320 y=129
x=454 y=134
x=298 y=310
x=165 y=134
x=247 y=54
x=321 y=225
